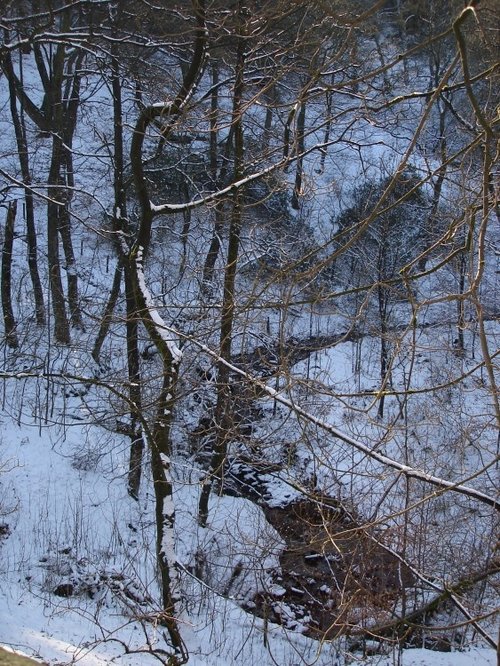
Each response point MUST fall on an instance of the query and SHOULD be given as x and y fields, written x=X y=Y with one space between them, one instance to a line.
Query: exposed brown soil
x=11 y=659
x=333 y=574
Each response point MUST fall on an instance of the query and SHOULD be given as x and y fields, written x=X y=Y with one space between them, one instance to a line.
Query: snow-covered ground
x=78 y=571
x=71 y=522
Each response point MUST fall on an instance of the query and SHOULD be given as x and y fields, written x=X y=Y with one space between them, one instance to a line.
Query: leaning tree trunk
x=268 y=122
x=158 y=436
x=8 y=314
x=432 y=223
x=107 y=317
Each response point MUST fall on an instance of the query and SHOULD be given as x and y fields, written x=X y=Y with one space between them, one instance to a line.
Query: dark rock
x=64 y=590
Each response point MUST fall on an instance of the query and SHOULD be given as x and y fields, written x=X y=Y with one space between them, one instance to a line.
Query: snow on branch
x=407 y=470
x=161 y=332
x=236 y=185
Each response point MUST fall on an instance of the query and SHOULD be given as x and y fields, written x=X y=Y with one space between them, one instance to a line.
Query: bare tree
x=19 y=123
x=56 y=117
x=283 y=182
x=8 y=314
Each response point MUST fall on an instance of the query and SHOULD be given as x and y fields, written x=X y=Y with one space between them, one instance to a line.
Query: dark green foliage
x=396 y=234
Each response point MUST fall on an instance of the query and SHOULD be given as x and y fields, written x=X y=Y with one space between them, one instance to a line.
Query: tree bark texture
x=8 y=314
x=223 y=409
x=23 y=154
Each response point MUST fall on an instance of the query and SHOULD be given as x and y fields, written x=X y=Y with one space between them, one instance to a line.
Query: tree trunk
x=214 y=248
x=55 y=117
x=462 y=272
x=223 y=409
x=8 y=314
x=135 y=394
x=213 y=251
x=22 y=150
x=297 y=189
x=56 y=194
x=108 y=312
x=433 y=218
x=214 y=120
x=159 y=436
x=71 y=274
x=186 y=214
x=268 y=122
x=164 y=508
x=120 y=225
x=71 y=102
x=215 y=243
x=384 y=346
x=53 y=109
x=328 y=129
